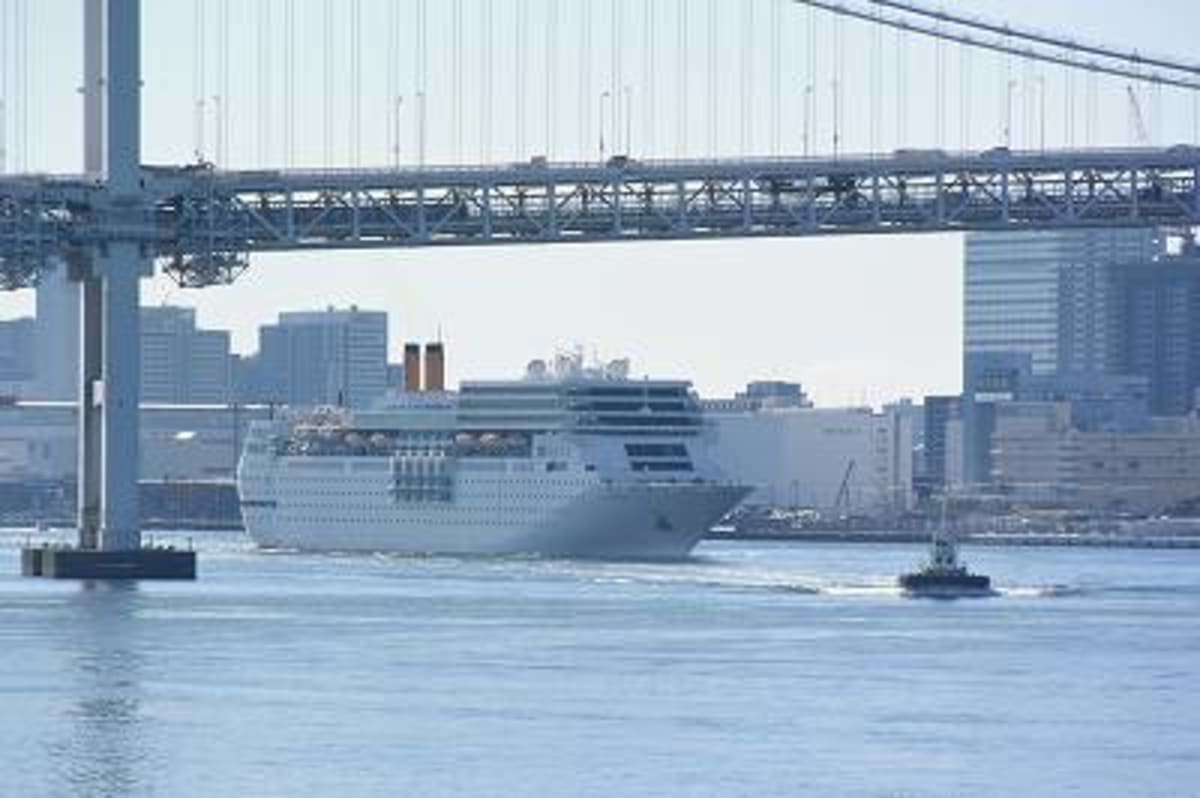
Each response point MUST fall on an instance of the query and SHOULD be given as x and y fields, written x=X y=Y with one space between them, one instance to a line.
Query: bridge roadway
x=202 y=223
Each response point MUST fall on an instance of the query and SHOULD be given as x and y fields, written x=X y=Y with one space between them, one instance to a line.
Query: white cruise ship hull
x=641 y=522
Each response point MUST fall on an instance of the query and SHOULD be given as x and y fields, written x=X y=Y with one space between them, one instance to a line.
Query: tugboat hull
x=946 y=585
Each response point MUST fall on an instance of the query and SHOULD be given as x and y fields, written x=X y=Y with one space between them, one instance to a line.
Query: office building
x=1157 y=311
x=330 y=357
x=1047 y=294
x=17 y=357
x=938 y=412
x=57 y=337
x=180 y=363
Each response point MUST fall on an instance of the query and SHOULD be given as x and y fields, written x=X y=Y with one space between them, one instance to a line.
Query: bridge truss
x=202 y=224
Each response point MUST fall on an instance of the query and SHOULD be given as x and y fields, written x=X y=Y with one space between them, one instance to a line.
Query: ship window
x=662 y=465
x=655 y=450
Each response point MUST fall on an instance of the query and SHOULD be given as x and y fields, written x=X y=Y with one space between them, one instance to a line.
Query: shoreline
x=990 y=539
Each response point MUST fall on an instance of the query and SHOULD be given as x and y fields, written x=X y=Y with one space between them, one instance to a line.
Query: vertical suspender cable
x=879 y=100
x=1041 y=81
x=582 y=91
x=1027 y=112
x=584 y=94
x=1006 y=102
x=268 y=74
x=1068 y=106
x=423 y=81
x=1155 y=112
x=224 y=105
x=488 y=86
x=744 y=94
x=964 y=97
x=327 y=76
x=649 y=78
x=712 y=78
x=199 y=67
x=391 y=93
x=419 y=81
x=1093 y=102
x=837 y=85
x=289 y=82
x=35 y=87
x=810 y=85
x=681 y=77
x=355 y=37
x=551 y=73
x=519 y=54
x=902 y=87
x=774 y=77
x=260 y=26
x=21 y=75
x=4 y=51
x=458 y=81
x=940 y=76
x=616 y=76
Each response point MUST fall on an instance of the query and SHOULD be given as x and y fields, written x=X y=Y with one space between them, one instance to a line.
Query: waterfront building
x=1041 y=457
x=801 y=456
x=197 y=442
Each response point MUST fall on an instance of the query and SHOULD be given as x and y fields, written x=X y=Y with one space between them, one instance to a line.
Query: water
x=758 y=669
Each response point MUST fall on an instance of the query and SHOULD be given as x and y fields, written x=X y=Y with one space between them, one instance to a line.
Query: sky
x=856 y=319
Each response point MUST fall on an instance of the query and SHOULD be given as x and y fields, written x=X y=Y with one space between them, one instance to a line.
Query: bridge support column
x=120 y=524
x=91 y=352
x=110 y=539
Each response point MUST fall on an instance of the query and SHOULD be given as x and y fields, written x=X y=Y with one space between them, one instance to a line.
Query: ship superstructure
x=569 y=461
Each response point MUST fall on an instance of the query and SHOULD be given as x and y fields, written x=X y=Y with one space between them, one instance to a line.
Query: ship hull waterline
x=629 y=522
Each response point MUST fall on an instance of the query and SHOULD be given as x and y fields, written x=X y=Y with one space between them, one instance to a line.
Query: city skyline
x=857 y=320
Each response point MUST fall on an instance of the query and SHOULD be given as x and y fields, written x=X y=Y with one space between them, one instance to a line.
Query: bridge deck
x=204 y=223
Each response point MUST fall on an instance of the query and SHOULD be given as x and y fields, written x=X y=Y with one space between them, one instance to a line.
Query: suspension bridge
x=201 y=220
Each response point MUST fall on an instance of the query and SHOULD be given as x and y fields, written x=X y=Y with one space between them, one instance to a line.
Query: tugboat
x=943 y=576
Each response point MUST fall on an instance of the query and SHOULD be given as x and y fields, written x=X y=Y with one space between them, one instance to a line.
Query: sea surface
x=754 y=669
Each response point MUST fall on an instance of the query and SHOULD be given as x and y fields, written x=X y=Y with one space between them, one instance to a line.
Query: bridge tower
x=110 y=544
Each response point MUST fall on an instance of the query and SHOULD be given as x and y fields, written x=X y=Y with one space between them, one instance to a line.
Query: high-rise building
x=16 y=356
x=1157 y=312
x=939 y=411
x=180 y=363
x=330 y=357
x=1047 y=294
x=57 y=338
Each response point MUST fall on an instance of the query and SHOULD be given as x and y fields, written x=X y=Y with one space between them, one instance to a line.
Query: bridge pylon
x=110 y=541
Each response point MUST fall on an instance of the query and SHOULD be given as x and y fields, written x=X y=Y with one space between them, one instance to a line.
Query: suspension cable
x=1002 y=47
x=1029 y=35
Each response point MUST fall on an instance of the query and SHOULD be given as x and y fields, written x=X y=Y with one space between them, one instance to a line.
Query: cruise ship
x=571 y=461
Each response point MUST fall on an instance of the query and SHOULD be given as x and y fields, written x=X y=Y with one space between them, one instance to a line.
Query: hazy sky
x=855 y=319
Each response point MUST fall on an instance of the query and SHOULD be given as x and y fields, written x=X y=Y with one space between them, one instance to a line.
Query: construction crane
x=841 y=502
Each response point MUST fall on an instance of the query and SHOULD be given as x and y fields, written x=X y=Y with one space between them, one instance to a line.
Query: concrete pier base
x=60 y=562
